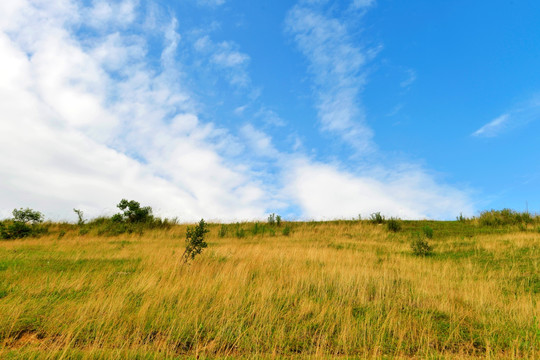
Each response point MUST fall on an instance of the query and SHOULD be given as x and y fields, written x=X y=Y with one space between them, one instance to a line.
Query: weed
x=274 y=219
x=240 y=232
x=504 y=217
x=80 y=217
x=3 y=293
x=222 y=231
x=286 y=230
x=258 y=229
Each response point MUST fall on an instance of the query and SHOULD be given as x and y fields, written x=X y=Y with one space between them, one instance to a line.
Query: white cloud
x=225 y=57
x=411 y=78
x=81 y=137
x=337 y=65
x=520 y=115
x=258 y=141
x=494 y=127
x=239 y=111
x=104 y=14
x=270 y=117
x=338 y=68
x=324 y=191
x=114 y=52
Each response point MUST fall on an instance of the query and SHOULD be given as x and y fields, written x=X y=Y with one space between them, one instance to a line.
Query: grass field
x=345 y=289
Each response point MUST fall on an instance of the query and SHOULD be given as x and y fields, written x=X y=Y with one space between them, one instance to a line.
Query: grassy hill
x=347 y=289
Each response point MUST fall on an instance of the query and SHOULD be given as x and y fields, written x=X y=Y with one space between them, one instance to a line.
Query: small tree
x=420 y=246
x=27 y=216
x=133 y=212
x=195 y=240
x=80 y=216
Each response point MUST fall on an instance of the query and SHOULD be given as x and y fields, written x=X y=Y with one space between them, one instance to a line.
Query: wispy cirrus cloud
x=494 y=127
x=519 y=116
x=359 y=4
x=337 y=65
x=212 y=3
x=225 y=57
x=411 y=78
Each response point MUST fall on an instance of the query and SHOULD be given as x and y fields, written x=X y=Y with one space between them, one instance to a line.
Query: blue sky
x=231 y=110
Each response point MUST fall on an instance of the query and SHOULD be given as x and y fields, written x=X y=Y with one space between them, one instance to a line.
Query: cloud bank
x=92 y=113
x=87 y=120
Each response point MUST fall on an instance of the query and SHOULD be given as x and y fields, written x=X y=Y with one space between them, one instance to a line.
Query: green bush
x=258 y=229
x=274 y=219
x=114 y=228
x=428 y=231
x=504 y=217
x=25 y=222
x=195 y=240
x=394 y=224
x=286 y=230
x=376 y=218
x=239 y=231
x=222 y=231
x=133 y=219
x=420 y=246
x=16 y=230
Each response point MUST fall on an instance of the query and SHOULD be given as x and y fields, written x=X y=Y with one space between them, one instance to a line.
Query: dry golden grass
x=338 y=289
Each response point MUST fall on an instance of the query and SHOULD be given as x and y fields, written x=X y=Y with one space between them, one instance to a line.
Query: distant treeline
x=134 y=218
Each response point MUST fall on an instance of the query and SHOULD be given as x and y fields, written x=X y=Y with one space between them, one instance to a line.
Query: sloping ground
x=337 y=289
